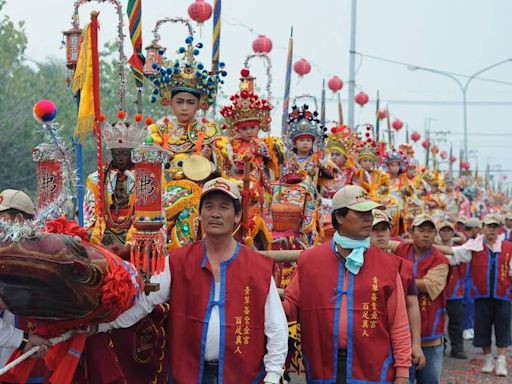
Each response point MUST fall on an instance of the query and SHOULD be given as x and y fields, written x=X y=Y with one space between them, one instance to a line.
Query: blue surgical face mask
x=355 y=260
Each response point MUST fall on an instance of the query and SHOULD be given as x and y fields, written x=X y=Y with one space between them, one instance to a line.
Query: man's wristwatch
x=24 y=341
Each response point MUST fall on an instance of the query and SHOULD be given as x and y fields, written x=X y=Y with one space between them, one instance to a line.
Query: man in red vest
x=226 y=322
x=490 y=270
x=506 y=231
x=454 y=295
x=431 y=273
x=350 y=301
x=381 y=234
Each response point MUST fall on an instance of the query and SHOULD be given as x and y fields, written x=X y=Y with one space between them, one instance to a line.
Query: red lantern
x=262 y=44
x=453 y=159
x=415 y=136
x=302 y=67
x=361 y=98
x=382 y=114
x=425 y=144
x=335 y=84
x=200 y=11
x=397 y=124
x=444 y=155
x=465 y=165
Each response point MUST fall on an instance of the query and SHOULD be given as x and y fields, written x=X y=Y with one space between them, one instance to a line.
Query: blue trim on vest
x=412 y=256
x=259 y=376
x=206 y=321
x=222 y=310
x=355 y=381
x=435 y=335
x=337 y=310
x=454 y=296
x=386 y=365
x=487 y=295
x=307 y=366
x=350 y=325
x=35 y=380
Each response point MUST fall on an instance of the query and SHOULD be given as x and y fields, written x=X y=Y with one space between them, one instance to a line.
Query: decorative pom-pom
x=102 y=117
x=189 y=40
x=149 y=120
x=138 y=117
x=121 y=115
x=245 y=72
x=45 y=111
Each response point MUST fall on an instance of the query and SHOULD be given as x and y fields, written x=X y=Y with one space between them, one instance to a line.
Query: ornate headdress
x=302 y=122
x=247 y=108
x=395 y=155
x=368 y=148
x=124 y=134
x=407 y=149
x=187 y=75
x=342 y=140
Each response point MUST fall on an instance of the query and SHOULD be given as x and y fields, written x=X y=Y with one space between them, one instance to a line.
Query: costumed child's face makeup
x=411 y=172
x=338 y=158
x=248 y=133
x=394 y=167
x=304 y=145
x=366 y=164
x=184 y=106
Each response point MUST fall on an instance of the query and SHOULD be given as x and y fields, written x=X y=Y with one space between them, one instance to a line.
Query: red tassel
x=137 y=258
x=67 y=366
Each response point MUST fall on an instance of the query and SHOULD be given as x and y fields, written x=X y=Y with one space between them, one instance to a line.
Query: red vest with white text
x=244 y=286
x=484 y=265
x=369 y=356
x=432 y=311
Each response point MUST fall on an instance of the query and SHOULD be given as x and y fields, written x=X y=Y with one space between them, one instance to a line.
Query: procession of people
x=209 y=249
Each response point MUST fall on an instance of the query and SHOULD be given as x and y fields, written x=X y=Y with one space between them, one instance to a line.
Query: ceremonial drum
x=288 y=202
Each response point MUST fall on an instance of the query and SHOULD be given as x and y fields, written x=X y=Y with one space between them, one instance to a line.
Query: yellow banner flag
x=83 y=83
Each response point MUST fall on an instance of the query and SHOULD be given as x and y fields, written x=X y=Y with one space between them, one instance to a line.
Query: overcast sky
x=460 y=36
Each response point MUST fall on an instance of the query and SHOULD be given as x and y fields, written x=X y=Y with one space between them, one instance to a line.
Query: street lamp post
x=464 y=89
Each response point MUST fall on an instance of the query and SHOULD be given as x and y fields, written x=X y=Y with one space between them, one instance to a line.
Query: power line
x=401 y=63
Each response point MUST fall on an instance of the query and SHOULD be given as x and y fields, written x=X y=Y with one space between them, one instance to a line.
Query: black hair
x=236 y=203
x=343 y=212
x=195 y=94
x=13 y=212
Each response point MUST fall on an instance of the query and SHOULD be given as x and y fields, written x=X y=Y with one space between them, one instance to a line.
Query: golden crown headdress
x=341 y=139
x=247 y=108
x=187 y=75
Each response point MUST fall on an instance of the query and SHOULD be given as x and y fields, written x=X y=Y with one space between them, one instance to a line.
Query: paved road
x=461 y=371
